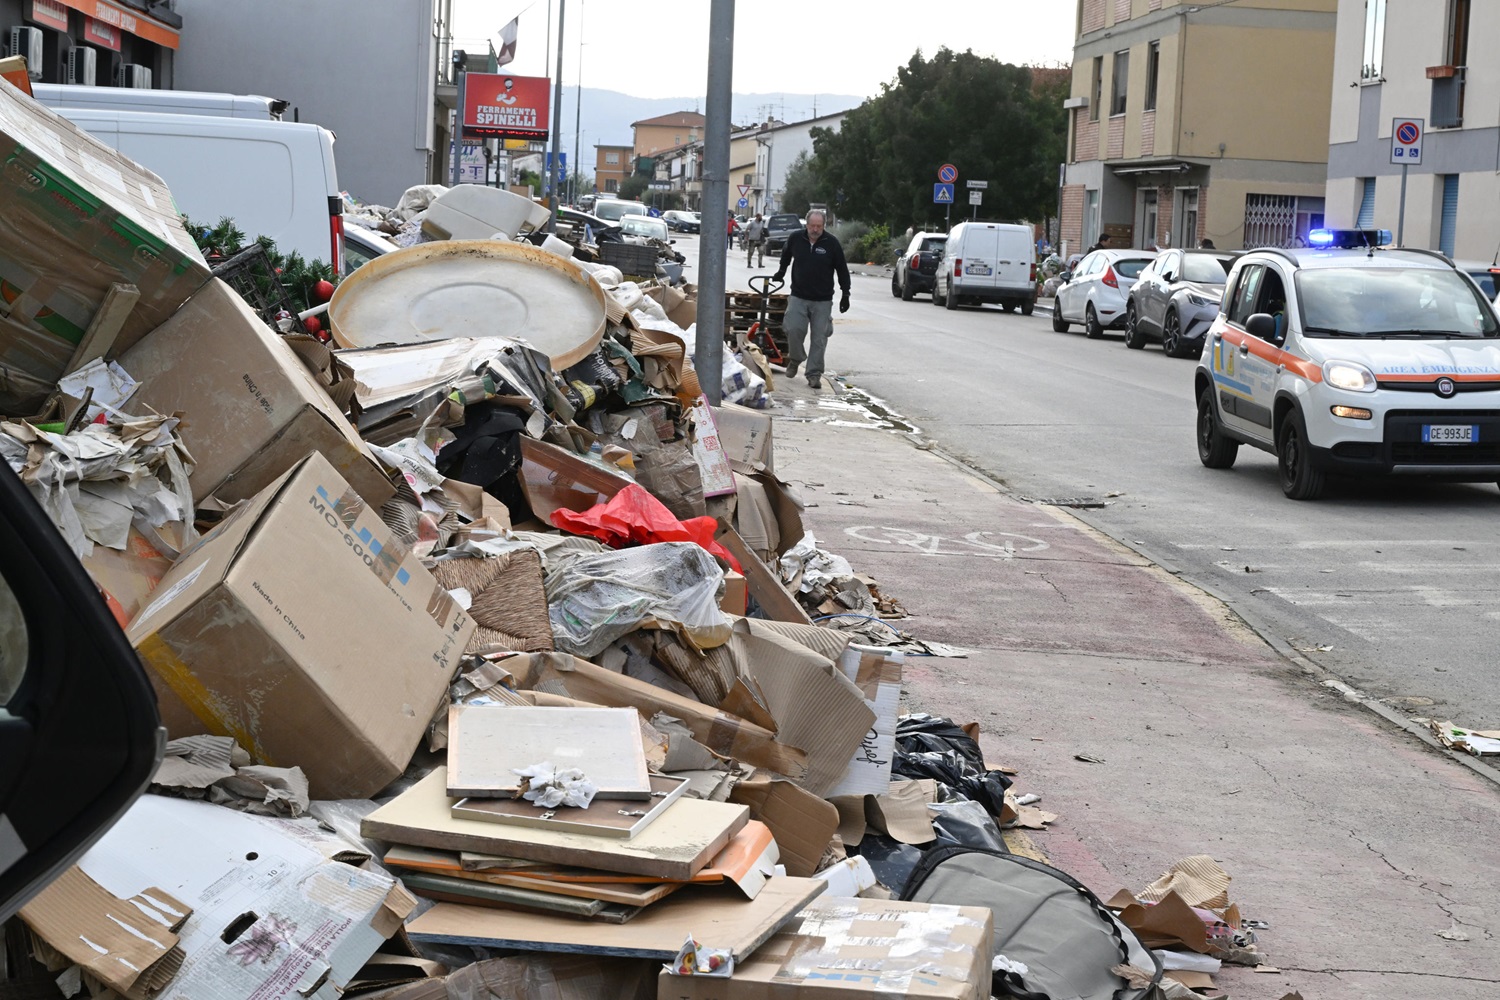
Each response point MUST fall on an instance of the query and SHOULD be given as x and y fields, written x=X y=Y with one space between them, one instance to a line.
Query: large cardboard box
x=250 y=409
x=299 y=628
x=75 y=218
x=859 y=949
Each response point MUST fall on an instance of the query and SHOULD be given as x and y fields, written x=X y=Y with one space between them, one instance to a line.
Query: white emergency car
x=1353 y=359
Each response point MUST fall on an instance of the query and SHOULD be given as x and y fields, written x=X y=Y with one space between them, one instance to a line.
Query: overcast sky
x=795 y=46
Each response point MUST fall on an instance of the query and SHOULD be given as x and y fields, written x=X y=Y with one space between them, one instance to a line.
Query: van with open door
x=273 y=178
x=988 y=262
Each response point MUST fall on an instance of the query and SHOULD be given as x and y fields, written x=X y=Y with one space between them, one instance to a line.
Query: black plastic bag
x=890 y=860
x=964 y=823
x=929 y=747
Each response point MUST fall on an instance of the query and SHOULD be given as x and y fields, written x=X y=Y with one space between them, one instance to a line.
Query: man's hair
x=1103 y=237
x=820 y=214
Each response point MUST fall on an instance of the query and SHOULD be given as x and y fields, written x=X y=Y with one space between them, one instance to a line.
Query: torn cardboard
x=300 y=629
x=801 y=821
x=877 y=674
x=763 y=585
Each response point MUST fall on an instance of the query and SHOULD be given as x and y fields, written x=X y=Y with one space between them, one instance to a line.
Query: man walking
x=754 y=239
x=815 y=257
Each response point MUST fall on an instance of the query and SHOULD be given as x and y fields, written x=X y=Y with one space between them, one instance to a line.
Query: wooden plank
x=677 y=846
x=762 y=583
x=447 y=863
x=487 y=743
x=99 y=338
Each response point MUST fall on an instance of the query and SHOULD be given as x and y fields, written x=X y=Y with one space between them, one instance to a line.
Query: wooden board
x=416 y=859
x=487 y=743
x=603 y=817
x=677 y=846
x=710 y=915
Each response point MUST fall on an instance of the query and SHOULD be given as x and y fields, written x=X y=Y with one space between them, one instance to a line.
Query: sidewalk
x=1357 y=844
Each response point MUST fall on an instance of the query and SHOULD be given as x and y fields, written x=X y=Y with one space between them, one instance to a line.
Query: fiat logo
x=1445 y=387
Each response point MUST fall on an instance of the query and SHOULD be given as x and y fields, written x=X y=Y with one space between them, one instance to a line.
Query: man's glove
x=778 y=275
x=844 y=302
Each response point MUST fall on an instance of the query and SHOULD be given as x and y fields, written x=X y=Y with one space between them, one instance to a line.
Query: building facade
x=778 y=146
x=1411 y=60
x=377 y=73
x=103 y=43
x=612 y=164
x=1192 y=121
x=664 y=132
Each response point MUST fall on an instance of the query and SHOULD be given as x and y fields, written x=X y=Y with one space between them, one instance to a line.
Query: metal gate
x=1270 y=220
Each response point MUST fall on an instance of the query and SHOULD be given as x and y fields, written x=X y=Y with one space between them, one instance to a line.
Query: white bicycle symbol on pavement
x=1006 y=546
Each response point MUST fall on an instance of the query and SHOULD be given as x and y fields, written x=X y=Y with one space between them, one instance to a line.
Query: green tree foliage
x=632 y=187
x=996 y=122
x=802 y=187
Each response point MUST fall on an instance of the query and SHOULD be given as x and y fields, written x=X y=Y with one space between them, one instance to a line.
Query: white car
x=1096 y=292
x=1350 y=358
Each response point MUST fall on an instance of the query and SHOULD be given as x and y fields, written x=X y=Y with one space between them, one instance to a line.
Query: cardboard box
x=859 y=949
x=76 y=217
x=250 y=409
x=299 y=628
x=746 y=437
x=736 y=594
x=126 y=577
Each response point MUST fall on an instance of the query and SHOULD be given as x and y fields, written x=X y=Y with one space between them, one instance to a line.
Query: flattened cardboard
x=877 y=673
x=816 y=707
x=636 y=894
x=746 y=436
x=316 y=921
x=767 y=589
x=715 y=917
x=469 y=892
x=736 y=594
x=860 y=949
x=250 y=409
x=487 y=743
x=713 y=464
x=77 y=218
x=126 y=577
x=721 y=732
x=802 y=822
x=678 y=845
x=617 y=818
x=300 y=628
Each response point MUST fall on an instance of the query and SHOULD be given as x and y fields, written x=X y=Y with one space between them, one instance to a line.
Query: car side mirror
x=1066 y=276
x=1263 y=326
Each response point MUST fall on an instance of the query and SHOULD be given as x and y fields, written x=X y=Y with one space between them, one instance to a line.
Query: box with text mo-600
x=302 y=630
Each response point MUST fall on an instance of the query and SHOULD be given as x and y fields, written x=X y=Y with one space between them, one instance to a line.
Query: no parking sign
x=1406 y=141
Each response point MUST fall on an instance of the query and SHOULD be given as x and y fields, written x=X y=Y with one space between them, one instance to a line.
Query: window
x=1371 y=68
x=1090 y=217
x=1366 y=217
x=612 y=158
x=1457 y=49
x=611 y=185
x=1246 y=291
x=749 y=179
x=1096 y=89
x=1187 y=218
x=1118 y=82
x=1148 y=219
x=1448 y=224
x=1170 y=266
x=1153 y=69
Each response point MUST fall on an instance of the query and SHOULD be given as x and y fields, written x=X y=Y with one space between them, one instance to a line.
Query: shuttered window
x=1366 y=218
x=1450 y=214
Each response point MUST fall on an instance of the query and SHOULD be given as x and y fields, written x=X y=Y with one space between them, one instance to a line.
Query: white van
x=169 y=102
x=988 y=262
x=272 y=178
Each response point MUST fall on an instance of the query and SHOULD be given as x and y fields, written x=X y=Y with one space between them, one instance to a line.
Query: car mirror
x=1066 y=276
x=1262 y=325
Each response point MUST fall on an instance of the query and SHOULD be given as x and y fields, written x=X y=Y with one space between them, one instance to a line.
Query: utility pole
x=461 y=71
x=578 y=116
x=713 y=249
x=554 y=154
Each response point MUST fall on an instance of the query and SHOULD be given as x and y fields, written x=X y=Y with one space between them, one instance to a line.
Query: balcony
x=1447 y=96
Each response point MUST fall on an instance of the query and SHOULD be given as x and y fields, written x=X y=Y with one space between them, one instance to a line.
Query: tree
x=632 y=187
x=802 y=187
x=996 y=122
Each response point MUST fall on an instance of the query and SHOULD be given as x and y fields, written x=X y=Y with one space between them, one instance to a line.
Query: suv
x=1355 y=359
x=916 y=271
x=778 y=228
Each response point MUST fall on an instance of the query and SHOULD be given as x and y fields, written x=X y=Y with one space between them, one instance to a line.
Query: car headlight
x=1202 y=300
x=1348 y=375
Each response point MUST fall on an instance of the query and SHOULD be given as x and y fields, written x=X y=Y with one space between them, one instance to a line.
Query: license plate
x=1450 y=433
x=977 y=268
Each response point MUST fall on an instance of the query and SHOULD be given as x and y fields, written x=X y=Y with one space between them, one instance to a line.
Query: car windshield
x=641 y=226
x=1131 y=267
x=785 y=222
x=1206 y=270
x=933 y=243
x=1391 y=302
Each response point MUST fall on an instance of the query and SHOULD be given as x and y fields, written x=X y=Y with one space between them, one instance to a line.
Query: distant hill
x=607 y=114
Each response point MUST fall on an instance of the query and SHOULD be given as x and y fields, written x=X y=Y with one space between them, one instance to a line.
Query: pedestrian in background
x=816 y=258
x=754 y=239
x=732 y=227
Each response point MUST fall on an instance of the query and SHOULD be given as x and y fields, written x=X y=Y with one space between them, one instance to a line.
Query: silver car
x=1175 y=300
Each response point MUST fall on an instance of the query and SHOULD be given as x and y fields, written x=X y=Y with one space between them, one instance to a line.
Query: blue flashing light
x=1320 y=238
x=1348 y=239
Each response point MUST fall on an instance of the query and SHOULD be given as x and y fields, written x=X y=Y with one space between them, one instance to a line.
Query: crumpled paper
x=218 y=769
x=549 y=786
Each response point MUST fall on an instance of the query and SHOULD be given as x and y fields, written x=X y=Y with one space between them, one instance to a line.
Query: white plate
x=1450 y=433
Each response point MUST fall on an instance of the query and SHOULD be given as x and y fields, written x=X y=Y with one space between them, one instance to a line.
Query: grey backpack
x=1044 y=919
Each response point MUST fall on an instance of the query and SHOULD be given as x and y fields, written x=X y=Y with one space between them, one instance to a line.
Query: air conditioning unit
x=26 y=41
x=133 y=75
x=82 y=62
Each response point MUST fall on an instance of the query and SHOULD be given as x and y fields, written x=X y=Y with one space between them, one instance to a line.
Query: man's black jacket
x=814 y=265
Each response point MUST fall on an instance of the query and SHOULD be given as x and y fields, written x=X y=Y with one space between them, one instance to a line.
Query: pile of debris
x=483 y=642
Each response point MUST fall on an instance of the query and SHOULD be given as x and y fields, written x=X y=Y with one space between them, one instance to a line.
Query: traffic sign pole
x=1406 y=149
x=1401 y=213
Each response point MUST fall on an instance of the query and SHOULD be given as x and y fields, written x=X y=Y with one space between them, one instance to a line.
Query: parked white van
x=273 y=178
x=988 y=262
x=168 y=102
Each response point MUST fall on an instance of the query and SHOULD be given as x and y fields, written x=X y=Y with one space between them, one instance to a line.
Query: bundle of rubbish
x=498 y=642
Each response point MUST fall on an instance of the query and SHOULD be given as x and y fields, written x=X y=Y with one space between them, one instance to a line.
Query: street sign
x=1406 y=141
x=947 y=173
x=976 y=197
x=744 y=190
x=977 y=185
x=660 y=186
x=942 y=194
x=744 y=203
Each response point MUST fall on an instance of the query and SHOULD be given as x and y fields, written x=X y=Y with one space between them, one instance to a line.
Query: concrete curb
x=1248 y=616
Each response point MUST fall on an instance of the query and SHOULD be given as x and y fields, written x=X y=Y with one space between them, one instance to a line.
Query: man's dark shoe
x=791 y=369
x=814 y=382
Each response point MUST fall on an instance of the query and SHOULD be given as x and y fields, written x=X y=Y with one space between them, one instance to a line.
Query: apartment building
x=1410 y=60
x=1197 y=120
x=612 y=164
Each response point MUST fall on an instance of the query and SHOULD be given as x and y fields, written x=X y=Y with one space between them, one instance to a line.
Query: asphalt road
x=1393 y=586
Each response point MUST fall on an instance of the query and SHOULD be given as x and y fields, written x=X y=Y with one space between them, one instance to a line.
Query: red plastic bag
x=635 y=517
